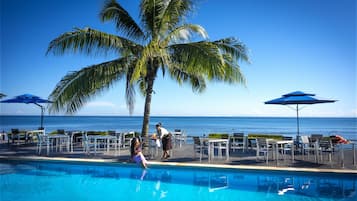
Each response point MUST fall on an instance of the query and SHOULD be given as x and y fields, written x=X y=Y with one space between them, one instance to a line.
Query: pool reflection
x=276 y=183
x=315 y=185
x=215 y=181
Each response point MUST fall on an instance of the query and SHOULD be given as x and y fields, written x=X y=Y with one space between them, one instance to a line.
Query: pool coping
x=181 y=164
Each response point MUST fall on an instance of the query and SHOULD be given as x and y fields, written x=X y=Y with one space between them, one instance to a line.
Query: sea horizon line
x=200 y=116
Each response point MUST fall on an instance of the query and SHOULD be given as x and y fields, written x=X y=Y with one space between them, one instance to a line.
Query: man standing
x=165 y=137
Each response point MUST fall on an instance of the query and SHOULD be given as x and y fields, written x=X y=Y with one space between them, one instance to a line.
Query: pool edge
x=178 y=164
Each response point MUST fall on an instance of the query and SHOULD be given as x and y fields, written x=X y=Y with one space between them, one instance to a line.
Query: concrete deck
x=184 y=156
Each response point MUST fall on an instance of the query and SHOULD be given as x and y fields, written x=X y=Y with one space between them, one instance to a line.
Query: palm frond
x=198 y=83
x=130 y=91
x=233 y=47
x=195 y=80
x=150 y=13
x=233 y=73
x=140 y=68
x=142 y=86
x=124 y=22
x=173 y=14
x=199 y=57
x=150 y=59
x=91 y=41
x=183 y=34
x=209 y=59
x=78 y=87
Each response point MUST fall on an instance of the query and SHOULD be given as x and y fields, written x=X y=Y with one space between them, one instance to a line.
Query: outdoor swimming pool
x=59 y=181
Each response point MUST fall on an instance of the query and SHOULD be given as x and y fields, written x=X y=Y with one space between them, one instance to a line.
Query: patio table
x=107 y=138
x=276 y=143
x=72 y=134
x=352 y=144
x=57 y=139
x=211 y=143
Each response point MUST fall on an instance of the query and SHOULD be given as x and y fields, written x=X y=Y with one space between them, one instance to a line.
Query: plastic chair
x=219 y=146
x=315 y=138
x=263 y=147
x=15 y=133
x=116 y=143
x=179 y=137
x=199 y=146
x=42 y=140
x=237 y=141
x=286 y=148
x=126 y=138
x=87 y=143
x=325 y=146
x=306 y=146
x=4 y=137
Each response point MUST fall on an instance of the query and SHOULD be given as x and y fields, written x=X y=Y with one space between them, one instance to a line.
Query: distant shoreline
x=192 y=125
x=173 y=116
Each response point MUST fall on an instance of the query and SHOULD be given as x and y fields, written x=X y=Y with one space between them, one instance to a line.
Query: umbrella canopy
x=29 y=98
x=298 y=98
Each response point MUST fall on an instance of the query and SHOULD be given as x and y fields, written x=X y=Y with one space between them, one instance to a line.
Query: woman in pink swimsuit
x=136 y=154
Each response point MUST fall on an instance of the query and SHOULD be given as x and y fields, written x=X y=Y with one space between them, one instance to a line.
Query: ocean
x=192 y=126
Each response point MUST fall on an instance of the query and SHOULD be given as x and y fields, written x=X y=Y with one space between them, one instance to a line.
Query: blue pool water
x=47 y=181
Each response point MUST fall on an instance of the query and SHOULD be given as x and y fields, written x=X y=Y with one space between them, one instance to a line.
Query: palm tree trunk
x=146 y=120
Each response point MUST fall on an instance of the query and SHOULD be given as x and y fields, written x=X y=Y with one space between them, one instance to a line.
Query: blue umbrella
x=29 y=98
x=298 y=98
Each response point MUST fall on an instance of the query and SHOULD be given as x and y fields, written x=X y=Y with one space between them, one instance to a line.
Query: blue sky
x=305 y=45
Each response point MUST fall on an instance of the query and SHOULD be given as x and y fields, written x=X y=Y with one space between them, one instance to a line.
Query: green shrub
x=218 y=135
x=60 y=131
x=97 y=133
x=53 y=133
x=268 y=136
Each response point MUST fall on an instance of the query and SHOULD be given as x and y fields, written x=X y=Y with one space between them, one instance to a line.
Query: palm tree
x=164 y=43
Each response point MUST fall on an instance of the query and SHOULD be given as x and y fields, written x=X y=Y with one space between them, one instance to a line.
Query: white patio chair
x=263 y=147
x=117 y=142
x=199 y=146
x=237 y=141
x=286 y=149
x=126 y=138
x=88 y=144
x=221 y=148
x=15 y=135
x=4 y=137
x=307 y=146
x=179 y=137
x=42 y=140
x=326 y=147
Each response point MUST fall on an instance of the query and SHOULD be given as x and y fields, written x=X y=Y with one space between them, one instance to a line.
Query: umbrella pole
x=42 y=118
x=297 y=120
x=42 y=111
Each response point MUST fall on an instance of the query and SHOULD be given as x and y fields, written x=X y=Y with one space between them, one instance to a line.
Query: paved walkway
x=185 y=156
